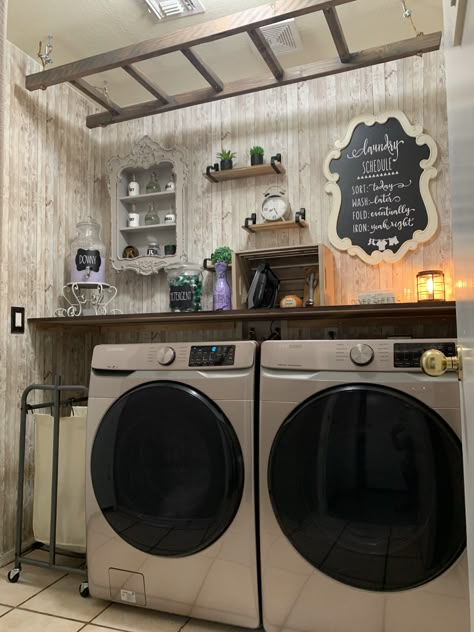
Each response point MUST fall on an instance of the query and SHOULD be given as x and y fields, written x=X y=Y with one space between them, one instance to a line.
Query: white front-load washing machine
x=362 y=523
x=170 y=497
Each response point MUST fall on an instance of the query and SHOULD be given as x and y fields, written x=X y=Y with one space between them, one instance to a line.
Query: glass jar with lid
x=153 y=249
x=185 y=287
x=152 y=216
x=88 y=253
x=153 y=185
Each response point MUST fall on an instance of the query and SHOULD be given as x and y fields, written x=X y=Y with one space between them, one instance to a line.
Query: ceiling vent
x=283 y=37
x=171 y=9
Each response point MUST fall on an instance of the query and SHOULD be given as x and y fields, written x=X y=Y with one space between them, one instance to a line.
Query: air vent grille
x=283 y=37
x=170 y=9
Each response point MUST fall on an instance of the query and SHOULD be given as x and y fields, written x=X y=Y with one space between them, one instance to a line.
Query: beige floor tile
x=139 y=619
x=63 y=600
x=32 y=580
x=198 y=625
x=24 y=621
x=97 y=628
x=3 y=610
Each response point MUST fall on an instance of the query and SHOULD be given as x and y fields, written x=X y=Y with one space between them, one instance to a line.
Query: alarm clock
x=275 y=207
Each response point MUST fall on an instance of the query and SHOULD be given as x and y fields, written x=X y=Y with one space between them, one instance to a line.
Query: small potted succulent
x=221 y=258
x=256 y=155
x=226 y=156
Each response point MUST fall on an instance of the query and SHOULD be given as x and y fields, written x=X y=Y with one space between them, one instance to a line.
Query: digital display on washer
x=212 y=355
x=408 y=354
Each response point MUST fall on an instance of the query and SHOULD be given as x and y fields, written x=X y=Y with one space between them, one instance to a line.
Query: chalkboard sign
x=379 y=181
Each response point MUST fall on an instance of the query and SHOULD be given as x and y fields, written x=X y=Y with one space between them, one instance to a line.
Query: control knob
x=361 y=354
x=166 y=355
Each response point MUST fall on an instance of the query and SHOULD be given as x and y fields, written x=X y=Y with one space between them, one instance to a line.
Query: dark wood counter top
x=358 y=314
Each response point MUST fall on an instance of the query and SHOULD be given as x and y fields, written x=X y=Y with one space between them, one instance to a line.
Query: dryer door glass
x=367 y=484
x=167 y=469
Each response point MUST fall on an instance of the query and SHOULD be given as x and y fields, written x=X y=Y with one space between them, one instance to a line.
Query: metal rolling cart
x=57 y=389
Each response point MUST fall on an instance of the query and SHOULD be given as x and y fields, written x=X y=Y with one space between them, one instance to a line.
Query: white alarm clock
x=275 y=207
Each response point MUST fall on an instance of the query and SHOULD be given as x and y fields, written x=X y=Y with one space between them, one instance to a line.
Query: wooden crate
x=291 y=264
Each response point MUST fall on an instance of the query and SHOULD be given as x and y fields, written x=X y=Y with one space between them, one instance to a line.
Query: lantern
x=430 y=285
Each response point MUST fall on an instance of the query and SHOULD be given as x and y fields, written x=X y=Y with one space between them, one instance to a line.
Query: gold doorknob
x=435 y=363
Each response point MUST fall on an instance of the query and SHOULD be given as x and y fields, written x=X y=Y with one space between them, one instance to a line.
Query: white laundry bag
x=71 y=519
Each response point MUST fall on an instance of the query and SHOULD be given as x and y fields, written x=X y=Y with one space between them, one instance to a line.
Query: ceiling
x=85 y=28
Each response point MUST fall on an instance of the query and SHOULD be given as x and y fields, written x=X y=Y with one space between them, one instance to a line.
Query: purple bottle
x=221 y=295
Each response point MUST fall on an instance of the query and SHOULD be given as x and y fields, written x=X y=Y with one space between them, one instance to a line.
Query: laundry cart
x=51 y=437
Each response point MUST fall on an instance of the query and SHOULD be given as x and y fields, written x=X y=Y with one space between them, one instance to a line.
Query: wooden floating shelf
x=245 y=172
x=259 y=228
x=132 y=199
x=322 y=316
x=145 y=227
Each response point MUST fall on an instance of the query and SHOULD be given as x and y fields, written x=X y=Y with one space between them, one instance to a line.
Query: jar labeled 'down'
x=185 y=287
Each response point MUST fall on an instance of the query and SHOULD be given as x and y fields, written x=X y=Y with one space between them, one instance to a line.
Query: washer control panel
x=408 y=354
x=212 y=355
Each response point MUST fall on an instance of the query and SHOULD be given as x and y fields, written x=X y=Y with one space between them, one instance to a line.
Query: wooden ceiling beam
x=95 y=94
x=148 y=85
x=211 y=78
x=186 y=38
x=337 y=33
x=369 y=57
x=266 y=52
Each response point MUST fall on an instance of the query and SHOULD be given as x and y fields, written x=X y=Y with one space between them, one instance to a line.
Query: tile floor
x=46 y=600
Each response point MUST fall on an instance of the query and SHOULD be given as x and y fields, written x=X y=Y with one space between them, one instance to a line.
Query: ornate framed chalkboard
x=378 y=177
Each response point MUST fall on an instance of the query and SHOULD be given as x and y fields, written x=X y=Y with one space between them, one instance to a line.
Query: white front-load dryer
x=362 y=517
x=170 y=497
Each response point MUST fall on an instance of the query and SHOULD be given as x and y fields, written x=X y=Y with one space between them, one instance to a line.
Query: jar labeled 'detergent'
x=185 y=288
x=87 y=253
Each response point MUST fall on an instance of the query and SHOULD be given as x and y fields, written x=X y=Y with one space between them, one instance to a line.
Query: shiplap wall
x=301 y=122
x=55 y=175
x=52 y=175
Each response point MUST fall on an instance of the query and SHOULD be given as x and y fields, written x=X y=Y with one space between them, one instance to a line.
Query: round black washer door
x=367 y=485
x=167 y=469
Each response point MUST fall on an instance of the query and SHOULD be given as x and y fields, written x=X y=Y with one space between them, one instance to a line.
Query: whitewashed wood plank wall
x=55 y=175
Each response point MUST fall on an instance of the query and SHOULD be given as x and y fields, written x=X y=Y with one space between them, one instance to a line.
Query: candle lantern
x=430 y=286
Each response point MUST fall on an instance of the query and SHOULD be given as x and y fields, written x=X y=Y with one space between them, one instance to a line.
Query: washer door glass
x=167 y=469
x=367 y=484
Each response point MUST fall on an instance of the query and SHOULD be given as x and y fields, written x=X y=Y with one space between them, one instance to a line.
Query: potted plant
x=226 y=156
x=256 y=155
x=221 y=298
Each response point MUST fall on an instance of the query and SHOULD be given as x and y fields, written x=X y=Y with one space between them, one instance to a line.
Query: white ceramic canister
x=133 y=187
x=170 y=218
x=133 y=217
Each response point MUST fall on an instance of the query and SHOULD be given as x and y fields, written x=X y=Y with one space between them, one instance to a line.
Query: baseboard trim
x=9 y=556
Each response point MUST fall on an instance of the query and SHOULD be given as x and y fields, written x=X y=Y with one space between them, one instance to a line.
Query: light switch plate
x=17 y=320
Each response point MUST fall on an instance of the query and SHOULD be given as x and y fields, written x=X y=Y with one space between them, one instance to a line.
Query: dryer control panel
x=212 y=355
x=408 y=354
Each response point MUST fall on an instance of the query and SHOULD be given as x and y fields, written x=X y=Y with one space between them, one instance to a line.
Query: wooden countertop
x=332 y=313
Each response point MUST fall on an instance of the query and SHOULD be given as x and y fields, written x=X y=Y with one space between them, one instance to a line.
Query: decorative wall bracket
x=87 y=299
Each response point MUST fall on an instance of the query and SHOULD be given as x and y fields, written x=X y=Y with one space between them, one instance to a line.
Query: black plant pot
x=226 y=164
x=256 y=159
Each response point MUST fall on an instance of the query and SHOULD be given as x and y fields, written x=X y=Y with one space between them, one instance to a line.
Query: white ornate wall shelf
x=378 y=177
x=151 y=166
